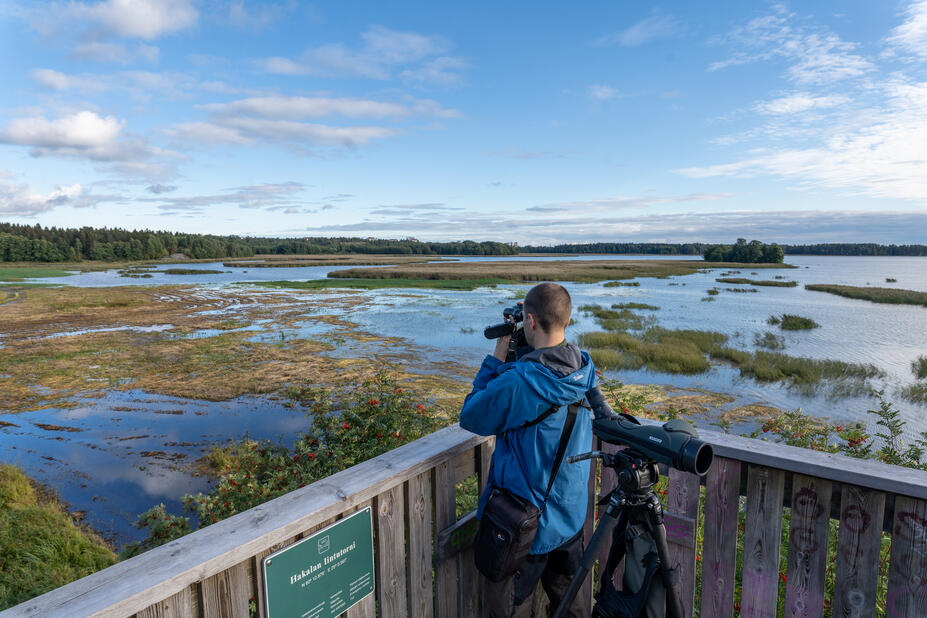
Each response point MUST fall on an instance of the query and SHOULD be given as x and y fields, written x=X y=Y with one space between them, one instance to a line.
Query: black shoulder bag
x=510 y=522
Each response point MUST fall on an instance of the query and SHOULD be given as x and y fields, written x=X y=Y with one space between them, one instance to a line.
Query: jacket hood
x=560 y=374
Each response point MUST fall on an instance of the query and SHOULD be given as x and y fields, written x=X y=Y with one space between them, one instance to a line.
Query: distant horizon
x=797 y=123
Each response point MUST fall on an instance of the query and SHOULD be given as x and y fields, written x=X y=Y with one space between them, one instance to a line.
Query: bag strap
x=561 y=448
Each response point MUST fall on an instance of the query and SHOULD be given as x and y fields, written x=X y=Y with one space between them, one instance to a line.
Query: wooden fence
x=424 y=563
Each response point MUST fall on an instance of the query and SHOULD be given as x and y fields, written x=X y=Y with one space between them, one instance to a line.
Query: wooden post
x=391 y=551
x=421 y=592
x=858 y=544
x=808 y=534
x=719 y=549
x=225 y=595
x=762 y=540
x=907 y=580
x=367 y=608
x=178 y=606
x=445 y=515
x=681 y=522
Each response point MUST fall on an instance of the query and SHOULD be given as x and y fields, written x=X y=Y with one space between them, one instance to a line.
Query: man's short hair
x=550 y=303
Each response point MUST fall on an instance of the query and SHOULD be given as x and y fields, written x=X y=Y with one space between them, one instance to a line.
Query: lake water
x=129 y=452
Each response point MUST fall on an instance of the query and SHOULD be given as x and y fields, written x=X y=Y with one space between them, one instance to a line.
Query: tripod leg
x=670 y=577
x=613 y=517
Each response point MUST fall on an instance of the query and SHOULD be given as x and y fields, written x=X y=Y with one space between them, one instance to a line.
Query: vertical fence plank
x=179 y=605
x=421 y=594
x=469 y=584
x=719 y=549
x=445 y=515
x=762 y=540
x=856 y=580
x=681 y=522
x=907 y=580
x=225 y=595
x=391 y=570
x=808 y=534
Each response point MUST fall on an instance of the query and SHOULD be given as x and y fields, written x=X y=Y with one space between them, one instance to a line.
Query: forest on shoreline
x=34 y=243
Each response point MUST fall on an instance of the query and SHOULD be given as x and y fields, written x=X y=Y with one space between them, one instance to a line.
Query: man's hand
x=502 y=347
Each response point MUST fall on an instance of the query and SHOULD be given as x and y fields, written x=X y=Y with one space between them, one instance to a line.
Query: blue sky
x=529 y=122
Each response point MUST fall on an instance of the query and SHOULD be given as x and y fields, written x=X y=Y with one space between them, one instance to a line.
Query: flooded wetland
x=114 y=383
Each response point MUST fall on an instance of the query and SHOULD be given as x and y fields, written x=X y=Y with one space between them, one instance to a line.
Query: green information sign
x=322 y=575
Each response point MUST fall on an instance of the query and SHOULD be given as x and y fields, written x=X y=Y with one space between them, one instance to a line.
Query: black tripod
x=633 y=502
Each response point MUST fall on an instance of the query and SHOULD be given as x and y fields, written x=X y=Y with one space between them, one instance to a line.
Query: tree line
x=753 y=252
x=34 y=243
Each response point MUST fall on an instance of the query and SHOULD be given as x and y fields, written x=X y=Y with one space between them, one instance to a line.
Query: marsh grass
x=919 y=367
x=915 y=393
x=16 y=275
x=891 y=296
x=57 y=551
x=891 y=280
x=769 y=340
x=623 y=284
x=617 y=320
x=741 y=290
x=759 y=282
x=788 y=321
x=713 y=292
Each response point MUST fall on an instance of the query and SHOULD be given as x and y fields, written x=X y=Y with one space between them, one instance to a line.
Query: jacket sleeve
x=498 y=401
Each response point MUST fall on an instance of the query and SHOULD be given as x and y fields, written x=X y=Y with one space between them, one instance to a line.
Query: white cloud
x=141 y=85
x=281 y=107
x=421 y=58
x=911 y=36
x=18 y=200
x=142 y=19
x=270 y=196
x=82 y=130
x=817 y=56
x=243 y=130
x=655 y=27
x=799 y=102
x=600 y=92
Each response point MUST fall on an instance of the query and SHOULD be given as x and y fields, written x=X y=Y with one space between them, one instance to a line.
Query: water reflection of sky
x=131 y=449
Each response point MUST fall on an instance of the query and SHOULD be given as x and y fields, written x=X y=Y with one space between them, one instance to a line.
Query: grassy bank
x=191 y=271
x=377 y=284
x=40 y=547
x=760 y=282
x=590 y=271
x=20 y=273
x=788 y=321
x=890 y=296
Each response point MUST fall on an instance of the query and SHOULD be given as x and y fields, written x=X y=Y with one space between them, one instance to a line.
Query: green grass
x=376 y=284
x=191 y=271
x=890 y=296
x=634 y=306
x=713 y=292
x=57 y=551
x=622 y=284
x=761 y=282
x=19 y=274
x=919 y=367
x=916 y=393
x=788 y=321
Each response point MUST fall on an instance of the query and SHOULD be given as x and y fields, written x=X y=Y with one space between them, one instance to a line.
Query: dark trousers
x=511 y=598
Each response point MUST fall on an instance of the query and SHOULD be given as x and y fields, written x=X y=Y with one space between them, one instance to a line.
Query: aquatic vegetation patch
x=919 y=367
x=57 y=551
x=616 y=320
x=741 y=290
x=191 y=271
x=625 y=284
x=769 y=340
x=635 y=306
x=915 y=393
x=788 y=321
x=892 y=296
x=759 y=282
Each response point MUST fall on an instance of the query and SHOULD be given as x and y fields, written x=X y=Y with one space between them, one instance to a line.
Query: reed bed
x=892 y=296
x=761 y=282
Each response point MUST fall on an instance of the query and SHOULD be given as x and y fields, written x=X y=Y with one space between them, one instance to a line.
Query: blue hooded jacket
x=505 y=396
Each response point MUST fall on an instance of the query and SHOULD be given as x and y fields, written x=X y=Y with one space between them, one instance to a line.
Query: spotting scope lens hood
x=674 y=444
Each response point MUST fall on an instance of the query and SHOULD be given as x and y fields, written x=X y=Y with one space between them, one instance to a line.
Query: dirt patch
x=700 y=403
x=752 y=413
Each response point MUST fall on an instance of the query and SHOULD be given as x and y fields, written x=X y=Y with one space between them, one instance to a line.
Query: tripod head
x=636 y=472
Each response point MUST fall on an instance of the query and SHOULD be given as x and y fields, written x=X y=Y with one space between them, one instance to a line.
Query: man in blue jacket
x=505 y=396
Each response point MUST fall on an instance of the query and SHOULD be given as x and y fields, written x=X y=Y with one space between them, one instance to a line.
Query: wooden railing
x=424 y=563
